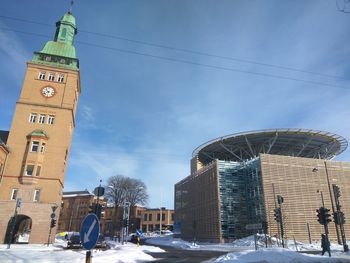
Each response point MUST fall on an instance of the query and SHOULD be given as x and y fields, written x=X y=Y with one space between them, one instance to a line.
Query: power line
x=186 y=50
x=191 y=62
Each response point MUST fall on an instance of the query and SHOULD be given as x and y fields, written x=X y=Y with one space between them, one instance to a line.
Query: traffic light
x=53 y=223
x=278 y=214
x=93 y=208
x=99 y=209
x=339 y=217
x=327 y=216
x=320 y=215
x=280 y=199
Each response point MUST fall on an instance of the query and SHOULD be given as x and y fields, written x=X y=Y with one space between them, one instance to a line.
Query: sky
x=159 y=78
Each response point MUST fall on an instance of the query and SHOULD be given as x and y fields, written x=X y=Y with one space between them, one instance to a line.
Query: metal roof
x=291 y=142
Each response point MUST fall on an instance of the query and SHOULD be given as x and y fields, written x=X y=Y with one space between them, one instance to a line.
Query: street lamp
x=331 y=198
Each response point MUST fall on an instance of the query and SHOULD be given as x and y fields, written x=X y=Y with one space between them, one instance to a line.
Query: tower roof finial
x=71 y=6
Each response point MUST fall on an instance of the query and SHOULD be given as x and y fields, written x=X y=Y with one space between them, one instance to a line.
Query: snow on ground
x=244 y=251
x=127 y=253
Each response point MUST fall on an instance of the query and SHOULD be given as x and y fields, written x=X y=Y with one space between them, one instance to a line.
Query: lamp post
x=331 y=198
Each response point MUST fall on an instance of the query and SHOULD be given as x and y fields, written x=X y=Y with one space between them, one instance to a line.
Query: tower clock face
x=48 y=92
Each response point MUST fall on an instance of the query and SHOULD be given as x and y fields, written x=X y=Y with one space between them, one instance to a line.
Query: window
x=35 y=146
x=145 y=217
x=36 y=195
x=150 y=217
x=163 y=217
x=38 y=170
x=42 y=75
x=51 y=119
x=30 y=169
x=42 y=118
x=52 y=76
x=14 y=194
x=43 y=147
x=158 y=217
x=60 y=78
x=32 y=117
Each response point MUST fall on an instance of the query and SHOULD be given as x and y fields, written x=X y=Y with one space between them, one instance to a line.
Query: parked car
x=101 y=242
x=74 y=241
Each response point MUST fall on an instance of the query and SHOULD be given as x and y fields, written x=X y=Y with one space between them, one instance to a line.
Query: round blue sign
x=90 y=229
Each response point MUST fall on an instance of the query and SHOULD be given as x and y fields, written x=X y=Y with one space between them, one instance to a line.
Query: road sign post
x=90 y=229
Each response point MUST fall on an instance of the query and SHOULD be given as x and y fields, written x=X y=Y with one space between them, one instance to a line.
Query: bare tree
x=121 y=189
x=136 y=193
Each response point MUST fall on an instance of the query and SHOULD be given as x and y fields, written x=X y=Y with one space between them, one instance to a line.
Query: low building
x=155 y=219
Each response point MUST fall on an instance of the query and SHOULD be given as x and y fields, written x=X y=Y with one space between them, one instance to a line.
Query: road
x=173 y=255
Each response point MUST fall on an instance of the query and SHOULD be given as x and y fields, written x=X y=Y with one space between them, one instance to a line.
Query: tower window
x=29 y=170
x=14 y=194
x=35 y=146
x=38 y=170
x=36 y=195
x=52 y=76
x=43 y=147
x=42 y=118
x=32 y=117
x=42 y=75
x=51 y=119
x=60 y=78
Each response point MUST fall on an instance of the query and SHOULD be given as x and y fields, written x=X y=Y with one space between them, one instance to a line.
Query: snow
x=242 y=250
x=127 y=253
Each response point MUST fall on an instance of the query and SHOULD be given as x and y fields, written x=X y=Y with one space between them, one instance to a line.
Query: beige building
x=155 y=219
x=235 y=182
x=34 y=153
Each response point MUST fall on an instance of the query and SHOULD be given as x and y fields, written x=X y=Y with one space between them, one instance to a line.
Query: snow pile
x=128 y=253
x=276 y=255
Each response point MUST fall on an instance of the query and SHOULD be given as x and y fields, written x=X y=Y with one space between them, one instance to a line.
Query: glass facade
x=241 y=196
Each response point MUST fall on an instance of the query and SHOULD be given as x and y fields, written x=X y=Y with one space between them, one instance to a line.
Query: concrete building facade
x=34 y=153
x=235 y=181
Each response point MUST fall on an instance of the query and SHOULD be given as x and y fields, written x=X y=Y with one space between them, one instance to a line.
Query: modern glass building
x=235 y=181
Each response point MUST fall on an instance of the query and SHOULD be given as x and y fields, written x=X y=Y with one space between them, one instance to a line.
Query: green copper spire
x=60 y=52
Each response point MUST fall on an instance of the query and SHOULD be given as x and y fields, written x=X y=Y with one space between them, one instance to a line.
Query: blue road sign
x=138 y=233
x=89 y=231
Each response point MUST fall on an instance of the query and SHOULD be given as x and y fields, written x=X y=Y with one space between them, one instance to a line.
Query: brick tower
x=34 y=153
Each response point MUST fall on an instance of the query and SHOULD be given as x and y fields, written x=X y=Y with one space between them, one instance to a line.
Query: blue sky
x=145 y=108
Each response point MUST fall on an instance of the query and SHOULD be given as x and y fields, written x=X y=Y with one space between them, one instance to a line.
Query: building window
x=42 y=75
x=43 y=147
x=60 y=78
x=35 y=146
x=14 y=194
x=32 y=117
x=51 y=119
x=52 y=76
x=38 y=170
x=30 y=169
x=150 y=217
x=145 y=217
x=36 y=195
x=163 y=217
x=42 y=118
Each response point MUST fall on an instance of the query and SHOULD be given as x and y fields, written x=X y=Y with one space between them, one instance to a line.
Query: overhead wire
x=185 y=50
x=189 y=62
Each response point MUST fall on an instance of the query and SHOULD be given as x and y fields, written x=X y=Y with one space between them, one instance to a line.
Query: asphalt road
x=174 y=255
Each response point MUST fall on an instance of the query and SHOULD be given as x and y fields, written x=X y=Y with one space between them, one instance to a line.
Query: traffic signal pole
x=332 y=202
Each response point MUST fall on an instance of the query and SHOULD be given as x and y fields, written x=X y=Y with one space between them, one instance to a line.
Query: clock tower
x=37 y=147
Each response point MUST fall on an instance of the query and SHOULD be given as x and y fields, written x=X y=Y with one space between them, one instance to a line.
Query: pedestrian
x=325 y=245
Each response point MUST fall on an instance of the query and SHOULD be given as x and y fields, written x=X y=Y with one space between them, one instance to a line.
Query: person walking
x=325 y=245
